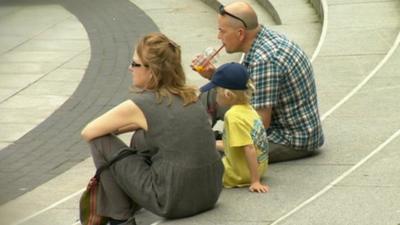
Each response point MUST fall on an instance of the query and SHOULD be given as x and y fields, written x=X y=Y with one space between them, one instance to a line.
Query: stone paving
x=54 y=145
x=355 y=56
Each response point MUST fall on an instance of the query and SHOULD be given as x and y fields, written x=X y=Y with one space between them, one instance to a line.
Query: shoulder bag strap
x=124 y=153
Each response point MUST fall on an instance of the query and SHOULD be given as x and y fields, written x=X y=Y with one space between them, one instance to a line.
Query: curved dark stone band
x=54 y=146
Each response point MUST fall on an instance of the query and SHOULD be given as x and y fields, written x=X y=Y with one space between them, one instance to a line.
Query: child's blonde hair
x=240 y=96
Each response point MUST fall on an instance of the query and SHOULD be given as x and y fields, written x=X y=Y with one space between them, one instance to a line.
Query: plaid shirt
x=284 y=80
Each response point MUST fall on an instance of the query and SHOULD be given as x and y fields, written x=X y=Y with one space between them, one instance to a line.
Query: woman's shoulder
x=140 y=92
x=140 y=95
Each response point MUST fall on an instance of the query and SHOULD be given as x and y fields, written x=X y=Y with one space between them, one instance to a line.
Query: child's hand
x=258 y=187
x=219 y=145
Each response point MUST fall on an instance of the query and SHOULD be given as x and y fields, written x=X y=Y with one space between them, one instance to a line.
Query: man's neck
x=250 y=38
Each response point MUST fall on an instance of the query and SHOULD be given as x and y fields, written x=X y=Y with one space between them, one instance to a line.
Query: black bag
x=88 y=200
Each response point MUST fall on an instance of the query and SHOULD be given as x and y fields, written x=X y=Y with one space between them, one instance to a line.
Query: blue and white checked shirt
x=284 y=79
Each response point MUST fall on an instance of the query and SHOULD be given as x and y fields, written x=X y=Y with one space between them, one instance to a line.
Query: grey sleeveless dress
x=176 y=172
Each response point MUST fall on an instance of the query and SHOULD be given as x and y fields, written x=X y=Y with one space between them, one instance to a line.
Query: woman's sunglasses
x=134 y=64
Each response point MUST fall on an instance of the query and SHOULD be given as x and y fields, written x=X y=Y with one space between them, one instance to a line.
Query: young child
x=245 y=141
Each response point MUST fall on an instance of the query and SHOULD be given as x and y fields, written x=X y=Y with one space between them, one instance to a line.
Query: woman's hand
x=259 y=187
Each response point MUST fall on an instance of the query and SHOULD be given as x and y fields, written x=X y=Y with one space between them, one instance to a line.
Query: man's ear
x=242 y=34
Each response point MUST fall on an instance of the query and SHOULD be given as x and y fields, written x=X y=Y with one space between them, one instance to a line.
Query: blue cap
x=231 y=76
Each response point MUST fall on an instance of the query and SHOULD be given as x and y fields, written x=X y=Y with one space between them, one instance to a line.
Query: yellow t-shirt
x=242 y=126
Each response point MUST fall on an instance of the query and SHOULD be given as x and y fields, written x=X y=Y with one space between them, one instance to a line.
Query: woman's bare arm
x=124 y=117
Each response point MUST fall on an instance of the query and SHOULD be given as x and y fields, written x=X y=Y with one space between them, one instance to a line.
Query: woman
x=176 y=171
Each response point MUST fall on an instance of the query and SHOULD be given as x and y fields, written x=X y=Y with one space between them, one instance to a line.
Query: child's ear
x=228 y=95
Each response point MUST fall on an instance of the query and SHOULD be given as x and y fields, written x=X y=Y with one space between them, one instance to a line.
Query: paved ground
x=54 y=145
x=64 y=62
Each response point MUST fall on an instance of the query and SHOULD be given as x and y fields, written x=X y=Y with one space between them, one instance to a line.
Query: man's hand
x=205 y=69
x=258 y=187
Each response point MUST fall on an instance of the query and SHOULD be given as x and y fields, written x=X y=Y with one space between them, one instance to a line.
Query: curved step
x=269 y=7
x=359 y=92
x=360 y=156
x=359 y=35
x=300 y=22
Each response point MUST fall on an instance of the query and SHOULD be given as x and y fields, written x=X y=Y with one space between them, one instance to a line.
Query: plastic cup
x=209 y=55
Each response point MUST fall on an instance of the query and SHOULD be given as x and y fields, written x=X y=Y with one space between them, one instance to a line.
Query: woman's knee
x=106 y=146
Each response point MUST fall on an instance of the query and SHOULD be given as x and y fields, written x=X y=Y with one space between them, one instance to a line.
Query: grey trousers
x=113 y=201
x=134 y=182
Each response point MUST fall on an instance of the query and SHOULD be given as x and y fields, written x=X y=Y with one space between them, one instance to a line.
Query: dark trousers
x=281 y=153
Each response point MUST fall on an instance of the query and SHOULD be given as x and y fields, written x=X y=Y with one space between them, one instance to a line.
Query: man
x=285 y=95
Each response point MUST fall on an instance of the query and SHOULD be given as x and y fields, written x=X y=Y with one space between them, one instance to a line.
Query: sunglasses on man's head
x=134 y=64
x=223 y=12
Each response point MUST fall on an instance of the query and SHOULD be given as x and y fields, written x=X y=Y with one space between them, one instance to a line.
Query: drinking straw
x=213 y=55
x=200 y=68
